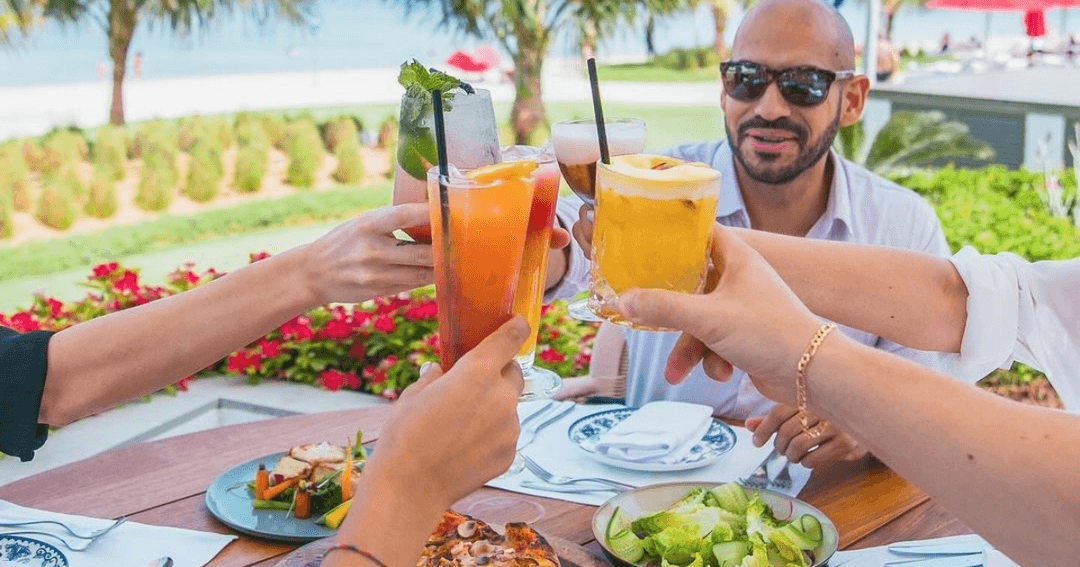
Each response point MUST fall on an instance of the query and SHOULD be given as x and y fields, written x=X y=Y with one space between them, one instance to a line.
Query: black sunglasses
x=804 y=86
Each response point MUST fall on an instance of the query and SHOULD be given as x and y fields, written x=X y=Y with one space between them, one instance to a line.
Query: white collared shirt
x=862 y=208
x=1021 y=311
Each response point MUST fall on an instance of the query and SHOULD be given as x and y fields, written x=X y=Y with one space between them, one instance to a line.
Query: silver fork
x=783 y=478
x=760 y=477
x=90 y=539
x=546 y=476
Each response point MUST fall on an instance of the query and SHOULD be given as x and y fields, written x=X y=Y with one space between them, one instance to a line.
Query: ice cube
x=516 y=153
x=455 y=173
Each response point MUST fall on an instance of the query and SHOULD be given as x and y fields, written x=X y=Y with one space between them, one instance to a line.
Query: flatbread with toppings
x=463 y=541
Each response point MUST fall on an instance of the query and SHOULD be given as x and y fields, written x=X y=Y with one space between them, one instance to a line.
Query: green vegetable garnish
x=420 y=82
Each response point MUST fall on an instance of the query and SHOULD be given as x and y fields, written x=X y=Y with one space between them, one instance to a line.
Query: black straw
x=598 y=111
x=444 y=209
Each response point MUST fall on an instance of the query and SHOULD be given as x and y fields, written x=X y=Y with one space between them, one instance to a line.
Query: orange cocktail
x=478 y=253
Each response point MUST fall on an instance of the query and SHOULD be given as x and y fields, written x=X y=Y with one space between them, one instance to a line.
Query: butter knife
x=952 y=561
x=935 y=548
x=529 y=435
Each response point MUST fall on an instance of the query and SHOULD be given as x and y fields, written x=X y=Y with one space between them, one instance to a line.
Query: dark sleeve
x=23 y=363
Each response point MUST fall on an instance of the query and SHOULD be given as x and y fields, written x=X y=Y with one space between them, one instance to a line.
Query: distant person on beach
x=888 y=59
x=945 y=43
x=780 y=175
x=136 y=64
x=102 y=69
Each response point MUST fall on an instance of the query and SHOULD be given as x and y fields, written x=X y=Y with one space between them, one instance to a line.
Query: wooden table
x=163 y=483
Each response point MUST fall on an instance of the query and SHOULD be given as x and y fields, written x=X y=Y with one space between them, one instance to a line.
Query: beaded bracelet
x=800 y=381
x=354 y=549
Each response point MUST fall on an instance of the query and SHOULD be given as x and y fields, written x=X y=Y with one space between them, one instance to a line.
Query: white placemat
x=877 y=556
x=130 y=544
x=554 y=451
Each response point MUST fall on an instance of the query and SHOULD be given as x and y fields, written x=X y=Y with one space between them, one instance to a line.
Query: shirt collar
x=836 y=221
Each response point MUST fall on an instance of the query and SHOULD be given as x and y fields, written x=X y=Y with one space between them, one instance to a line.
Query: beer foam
x=634 y=175
x=576 y=143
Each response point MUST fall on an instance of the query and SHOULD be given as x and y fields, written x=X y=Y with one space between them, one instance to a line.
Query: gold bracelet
x=800 y=380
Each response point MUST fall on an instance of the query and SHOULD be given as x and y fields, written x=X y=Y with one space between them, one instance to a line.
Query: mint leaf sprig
x=420 y=81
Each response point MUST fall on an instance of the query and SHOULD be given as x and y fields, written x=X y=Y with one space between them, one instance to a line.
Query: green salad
x=718 y=527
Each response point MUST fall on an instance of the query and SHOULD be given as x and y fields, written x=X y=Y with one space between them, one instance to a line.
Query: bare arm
x=914 y=299
x=95 y=365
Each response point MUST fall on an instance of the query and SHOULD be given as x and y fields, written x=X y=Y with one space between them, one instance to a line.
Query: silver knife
x=536 y=413
x=529 y=435
x=954 y=561
x=934 y=549
x=567 y=489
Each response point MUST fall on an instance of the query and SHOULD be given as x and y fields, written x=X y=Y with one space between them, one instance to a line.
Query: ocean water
x=372 y=33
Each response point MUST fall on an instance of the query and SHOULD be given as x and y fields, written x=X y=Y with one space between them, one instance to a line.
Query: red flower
x=269 y=349
x=332 y=380
x=191 y=277
x=361 y=319
x=352 y=381
x=544 y=309
x=379 y=377
x=336 y=329
x=298 y=328
x=24 y=322
x=385 y=324
x=214 y=274
x=423 y=311
x=582 y=359
x=113 y=305
x=368 y=372
x=242 y=360
x=128 y=283
x=358 y=350
x=432 y=340
x=551 y=356
x=389 y=394
x=390 y=361
x=105 y=270
x=256 y=256
x=182 y=384
x=553 y=333
x=55 y=307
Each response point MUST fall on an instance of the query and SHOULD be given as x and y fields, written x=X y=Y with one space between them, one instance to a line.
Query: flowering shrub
x=376 y=347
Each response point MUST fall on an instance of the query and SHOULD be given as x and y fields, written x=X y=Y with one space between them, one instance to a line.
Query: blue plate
x=229 y=500
x=17 y=551
x=585 y=433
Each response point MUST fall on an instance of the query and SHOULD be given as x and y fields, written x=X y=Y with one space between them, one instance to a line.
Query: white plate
x=652 y=499
x=585 y=433
x=21 y=551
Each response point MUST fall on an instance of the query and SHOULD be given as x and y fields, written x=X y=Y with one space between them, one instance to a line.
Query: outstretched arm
x=911 y=298
x=95 y=365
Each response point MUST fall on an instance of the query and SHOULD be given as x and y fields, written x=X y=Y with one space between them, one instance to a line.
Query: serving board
x=570 y=554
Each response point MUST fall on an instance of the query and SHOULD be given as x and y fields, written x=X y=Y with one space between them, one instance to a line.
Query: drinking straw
x=598 y=111
x=444 y=207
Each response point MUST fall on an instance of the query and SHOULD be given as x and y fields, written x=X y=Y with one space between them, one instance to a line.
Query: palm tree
x=119 y=19
x=910 y=139
x=891 y=7
x=525 y=28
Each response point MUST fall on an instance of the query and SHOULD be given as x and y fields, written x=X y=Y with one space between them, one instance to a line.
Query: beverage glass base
x=612 y=316
x=540 y=383
x=581 y=311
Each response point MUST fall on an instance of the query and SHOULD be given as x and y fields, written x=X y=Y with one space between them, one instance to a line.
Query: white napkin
x=876 y=556
x=553 y=450
x=130 y=544
x=657 y=432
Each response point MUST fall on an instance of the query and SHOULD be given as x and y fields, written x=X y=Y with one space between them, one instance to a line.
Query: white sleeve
x=993 y=314
x=1049 y=324
x=576 y=278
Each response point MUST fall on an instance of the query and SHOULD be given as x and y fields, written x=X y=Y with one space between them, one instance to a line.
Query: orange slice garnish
x=504 y=170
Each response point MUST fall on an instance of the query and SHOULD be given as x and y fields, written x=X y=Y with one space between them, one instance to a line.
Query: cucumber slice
x=797 y=537
x=731 y=497
x=731 y=553
x=811 y=526
x=619 y=521
x=626 y=545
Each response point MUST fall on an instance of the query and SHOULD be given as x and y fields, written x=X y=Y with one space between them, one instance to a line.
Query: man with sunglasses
x=789 y=86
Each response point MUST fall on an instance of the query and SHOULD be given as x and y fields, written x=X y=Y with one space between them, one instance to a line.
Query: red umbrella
x=1035 y=23
x=483 y=59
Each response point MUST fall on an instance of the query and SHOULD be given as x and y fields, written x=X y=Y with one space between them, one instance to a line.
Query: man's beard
x=807 y=157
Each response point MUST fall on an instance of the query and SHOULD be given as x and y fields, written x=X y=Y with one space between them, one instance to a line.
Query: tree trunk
x=720 y=16
x=527 y=113
x=650 y=30
x=122 y=20
x=890 y=15
x=588 y=43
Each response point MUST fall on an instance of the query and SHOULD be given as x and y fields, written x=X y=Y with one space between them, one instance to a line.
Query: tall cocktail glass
x=472 y=141
x=539 y=382
x=654 y=218
x=478 y=263
x=577 y=149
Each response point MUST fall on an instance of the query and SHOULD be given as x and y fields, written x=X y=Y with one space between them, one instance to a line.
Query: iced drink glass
x=539 y=382
x=654 y=218
x=472 y=141
x=478 y=264
x=577 y=148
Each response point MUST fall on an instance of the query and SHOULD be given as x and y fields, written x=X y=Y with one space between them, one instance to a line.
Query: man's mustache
x=778 y=124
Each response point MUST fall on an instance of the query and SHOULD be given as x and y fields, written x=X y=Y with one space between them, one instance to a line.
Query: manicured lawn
x=650 y=73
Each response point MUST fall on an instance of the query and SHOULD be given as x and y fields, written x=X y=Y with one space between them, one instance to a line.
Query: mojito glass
x=472 y=141
x=654 y=218
x=478 y=265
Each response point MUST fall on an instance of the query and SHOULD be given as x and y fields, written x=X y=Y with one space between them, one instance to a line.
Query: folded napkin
x=130 y=544
x=877 y=556
x=553 y=450
x=657 y=432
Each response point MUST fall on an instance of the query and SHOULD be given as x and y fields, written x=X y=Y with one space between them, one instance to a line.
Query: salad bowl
x=655 y=498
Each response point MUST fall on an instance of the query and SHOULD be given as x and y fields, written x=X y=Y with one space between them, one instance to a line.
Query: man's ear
x=854 y=100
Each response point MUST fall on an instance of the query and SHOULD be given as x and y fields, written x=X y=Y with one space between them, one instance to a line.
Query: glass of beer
x=654 y=218
x=577 y=148
x=472 y=141
x=539 y=382
x=478 y=253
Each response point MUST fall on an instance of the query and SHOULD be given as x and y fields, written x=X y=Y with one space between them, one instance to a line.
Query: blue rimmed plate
x=18 y=551
x=585 y=433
